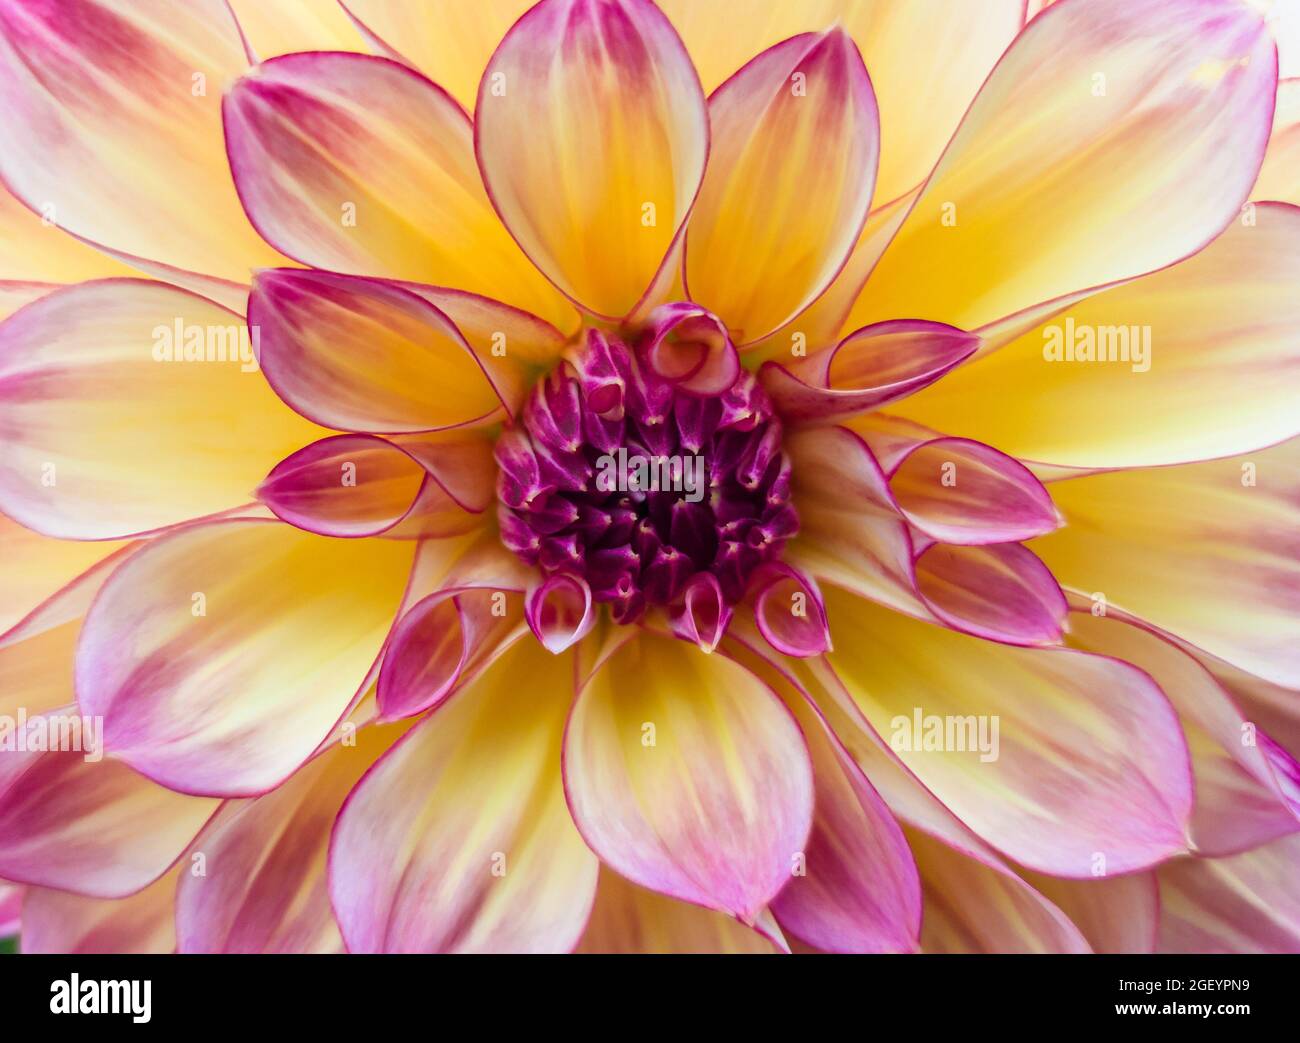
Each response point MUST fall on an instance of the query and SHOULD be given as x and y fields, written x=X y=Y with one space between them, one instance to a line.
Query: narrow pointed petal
x=858 y=889
x=81 y=367
x=960 y=491
x=364 y=354
x=357 y=164
x=796 y=138
x=1159 y=366
x=458 y=840
x=629 y=919
x=1064 y=721
x=62 y=922
x=560 y=611
x=264 y=888
x=217 y=636
x=442 y=642
x=1243 y=904
x=593 y=155
x=1141 y=126
x=361 y=485
x=1000 y=592
x=92 y=168
x=654 y=799
x=1246 y=785
x=790 y=613
x=868 y=368
x=1208 y=552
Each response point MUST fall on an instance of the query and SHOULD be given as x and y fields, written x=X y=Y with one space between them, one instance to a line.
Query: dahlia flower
x=613 y=476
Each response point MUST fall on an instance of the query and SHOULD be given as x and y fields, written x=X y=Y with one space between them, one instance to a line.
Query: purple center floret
x=613 y=475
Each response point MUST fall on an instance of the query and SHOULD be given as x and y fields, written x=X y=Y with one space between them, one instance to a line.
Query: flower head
x=491 y=494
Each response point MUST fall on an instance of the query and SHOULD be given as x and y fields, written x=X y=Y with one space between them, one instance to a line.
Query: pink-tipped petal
x=703 y=615
x=357 y=164
x=654 y=799
x=221 y=655
x=91 y=166
x=974 y=719
x=264 y=887
x=458 y=839
x=593 y=154
x=796 y=138
x=1000 y=592
x=869 y=367
x=82 y=369
x=857 y=889
x=441 y=642
x=1141 y=126
x=559 y=611
x=367 y=355
x=790 y=613
x=690 y=348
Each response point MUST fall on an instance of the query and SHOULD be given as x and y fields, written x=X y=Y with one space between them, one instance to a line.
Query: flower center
x=618 y=475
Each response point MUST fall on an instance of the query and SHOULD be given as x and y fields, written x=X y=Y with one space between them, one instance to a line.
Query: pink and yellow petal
x=459 y=839
x=1139 y=128
x=795 y=141
x=92 y=167
x=593 y=156
x=358 y=164
x=81 y=370
x=303 y=25
x=222 y=654
x=63 y=922
x=689 y=778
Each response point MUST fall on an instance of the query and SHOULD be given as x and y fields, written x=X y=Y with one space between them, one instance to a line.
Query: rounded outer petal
x=1159 y=367
x=1247 y=787
x=1209 y=552
x=688 y=776
x=858 y=890
x=1000 y=592
x=61 y=922
x=1139 y=127
x=127 y=406
x=927 y=59
x=92 y=166
x=1279 y=177
x=1064 y=723
x=1243 y=904
x=362 y=485
x=630 y=919
x=965 y=882
x=591 y=133
x=1118 y=914
x=868 y=368
x=796 y=138
x=369 y=355
x=449 y=41
x=458 y=839
x=221 y=655
x=264 y=888
x=358 y=164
